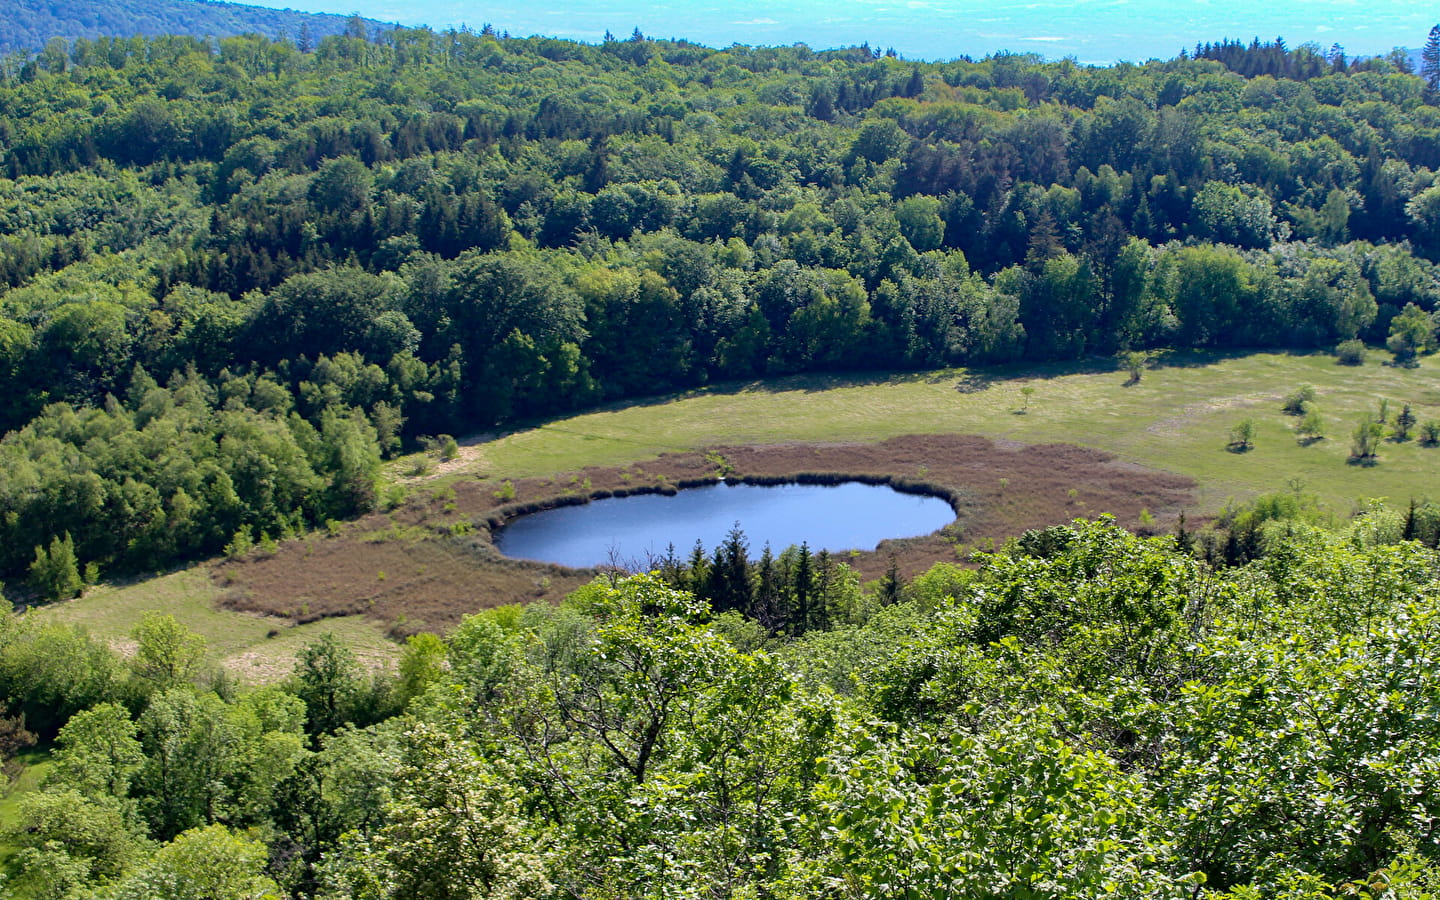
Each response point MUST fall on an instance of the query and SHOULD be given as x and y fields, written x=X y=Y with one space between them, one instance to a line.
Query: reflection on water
x=634 y=530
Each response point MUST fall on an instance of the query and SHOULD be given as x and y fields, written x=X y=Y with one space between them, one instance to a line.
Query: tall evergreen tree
x=1430 y=59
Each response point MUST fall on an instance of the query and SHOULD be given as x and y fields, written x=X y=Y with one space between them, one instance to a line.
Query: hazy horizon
x=1093 y=31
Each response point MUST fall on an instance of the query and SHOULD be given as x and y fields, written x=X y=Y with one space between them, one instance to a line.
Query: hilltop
x=30 y=23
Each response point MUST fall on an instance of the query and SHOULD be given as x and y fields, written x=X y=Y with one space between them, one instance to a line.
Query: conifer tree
x=1430 y=59
x=55 y=573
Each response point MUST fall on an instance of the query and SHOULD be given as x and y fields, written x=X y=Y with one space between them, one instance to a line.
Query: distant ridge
x=30 y=23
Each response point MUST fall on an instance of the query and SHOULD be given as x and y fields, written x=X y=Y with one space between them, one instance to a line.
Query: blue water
x=1092 y=31
x=634 y=531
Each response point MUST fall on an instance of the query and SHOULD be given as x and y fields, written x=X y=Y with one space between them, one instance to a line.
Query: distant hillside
x=30 y=23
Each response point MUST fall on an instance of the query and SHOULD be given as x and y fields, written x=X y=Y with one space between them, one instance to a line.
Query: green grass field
x=1178 y=418
x=242 y=643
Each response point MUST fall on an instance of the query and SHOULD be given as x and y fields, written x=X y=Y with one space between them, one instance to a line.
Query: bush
x=1366 y=440
x=1296 y=401
x=1311 y=427
x=1430 y=434
x=1350 y=353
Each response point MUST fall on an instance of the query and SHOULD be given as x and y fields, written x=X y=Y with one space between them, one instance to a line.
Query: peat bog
x=430 y=561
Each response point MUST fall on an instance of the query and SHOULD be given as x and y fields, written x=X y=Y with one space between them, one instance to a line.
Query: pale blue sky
x=1099 y=31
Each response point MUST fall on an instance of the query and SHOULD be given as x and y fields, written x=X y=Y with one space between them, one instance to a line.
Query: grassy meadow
x=1178 y=418
x=252 y=648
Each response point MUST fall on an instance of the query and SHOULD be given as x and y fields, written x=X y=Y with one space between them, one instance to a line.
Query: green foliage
x=68 y=842
x=1412 y=332
x=1350 y=353
x=1311 y=426
x=55 y=573
x=1297 y=403
x=1086 y=713
x=1365 y=440
x=1430 y=434
x=51 y=672
x=422 y=664
x=210 y=863
x=167 y=654
x=1242 y=435
x=101 y=28
x=327 y=679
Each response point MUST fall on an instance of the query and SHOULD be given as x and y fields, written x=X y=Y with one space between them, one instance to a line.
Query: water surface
x=1093 y=31
x=632 y=531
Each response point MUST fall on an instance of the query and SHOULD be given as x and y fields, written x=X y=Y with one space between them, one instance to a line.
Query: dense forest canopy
x=211 y=247
x=31 y=25
x=1088 y=714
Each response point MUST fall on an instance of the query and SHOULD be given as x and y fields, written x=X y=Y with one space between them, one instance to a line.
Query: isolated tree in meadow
x=1350 y=353
x=1026 y=393
x=1430 y=434
x=1404 y=422
x=1135 y=362
x=1298 y=401
x=1366 y=440
x=1242 y=436
x=1311 y=427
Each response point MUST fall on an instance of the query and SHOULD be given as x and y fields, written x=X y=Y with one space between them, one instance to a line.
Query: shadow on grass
x=1364 y=462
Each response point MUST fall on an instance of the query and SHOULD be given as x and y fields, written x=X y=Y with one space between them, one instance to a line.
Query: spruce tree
x=55 y=573
x=1430 y=59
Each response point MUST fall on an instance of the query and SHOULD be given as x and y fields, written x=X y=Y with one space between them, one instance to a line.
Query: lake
x=636 y=529
x=1093 y=31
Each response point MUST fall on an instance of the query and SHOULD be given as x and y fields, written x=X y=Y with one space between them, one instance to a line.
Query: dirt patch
x=409 y=583
x=429 y=562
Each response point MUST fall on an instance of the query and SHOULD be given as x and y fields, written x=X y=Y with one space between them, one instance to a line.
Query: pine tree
x=1430 y=59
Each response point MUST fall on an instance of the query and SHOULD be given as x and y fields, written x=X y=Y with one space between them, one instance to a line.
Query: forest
x=238 y=274
x=1088 y=713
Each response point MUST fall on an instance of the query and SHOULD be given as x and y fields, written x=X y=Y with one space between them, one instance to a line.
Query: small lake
x=634 y=530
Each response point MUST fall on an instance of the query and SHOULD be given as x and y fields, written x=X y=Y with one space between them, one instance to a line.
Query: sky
x=1092 y=31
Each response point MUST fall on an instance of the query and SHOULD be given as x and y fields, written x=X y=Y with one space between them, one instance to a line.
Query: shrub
x=1366 y=440
x=1350 y=353
x=1296 y=401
